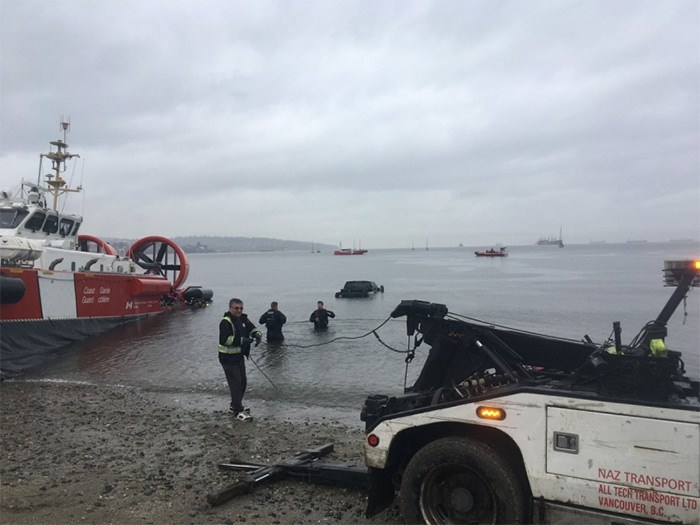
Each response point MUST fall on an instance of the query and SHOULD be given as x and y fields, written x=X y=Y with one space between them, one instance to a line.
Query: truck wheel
x=461 y=480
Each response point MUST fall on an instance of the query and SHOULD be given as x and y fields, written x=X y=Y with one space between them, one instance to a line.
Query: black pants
x=275 y=336
x=237 y=382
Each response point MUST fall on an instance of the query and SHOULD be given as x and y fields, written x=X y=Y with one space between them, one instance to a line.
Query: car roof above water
x=360 y=285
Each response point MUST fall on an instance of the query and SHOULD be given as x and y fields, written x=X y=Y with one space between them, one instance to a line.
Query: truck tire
x=461 y=480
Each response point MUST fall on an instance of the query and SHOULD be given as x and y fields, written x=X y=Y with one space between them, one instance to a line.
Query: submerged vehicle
x=359 y=289
x=58 y=286
x=506 y=426
x=492 y=252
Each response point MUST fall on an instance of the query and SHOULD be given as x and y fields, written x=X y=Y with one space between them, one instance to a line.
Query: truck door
x=638 y=466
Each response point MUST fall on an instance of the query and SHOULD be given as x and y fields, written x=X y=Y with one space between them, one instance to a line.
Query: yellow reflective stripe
x=230 y=349
x=234 y=349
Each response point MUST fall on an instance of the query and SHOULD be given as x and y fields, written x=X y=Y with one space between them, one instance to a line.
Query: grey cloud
x=521 y=115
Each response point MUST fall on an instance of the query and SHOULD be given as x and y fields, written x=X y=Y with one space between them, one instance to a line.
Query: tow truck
x=507 y=426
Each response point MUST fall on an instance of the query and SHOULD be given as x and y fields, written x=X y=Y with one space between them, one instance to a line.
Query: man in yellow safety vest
x=236 y=333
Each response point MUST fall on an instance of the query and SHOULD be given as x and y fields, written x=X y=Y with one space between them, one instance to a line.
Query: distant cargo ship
x=551 y=241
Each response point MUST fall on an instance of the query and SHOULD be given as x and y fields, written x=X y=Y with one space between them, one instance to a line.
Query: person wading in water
x=319 y=317
x=273 y=319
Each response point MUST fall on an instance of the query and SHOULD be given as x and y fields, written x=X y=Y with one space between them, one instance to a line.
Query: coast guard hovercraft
x=58 y=286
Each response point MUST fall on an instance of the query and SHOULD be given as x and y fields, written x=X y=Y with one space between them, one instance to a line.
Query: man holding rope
x=319 y=317
x=236 y=332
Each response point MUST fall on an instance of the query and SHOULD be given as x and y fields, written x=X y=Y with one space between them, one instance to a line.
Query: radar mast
x=56 y=184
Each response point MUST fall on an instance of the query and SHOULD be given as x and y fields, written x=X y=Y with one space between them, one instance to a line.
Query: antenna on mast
x=64 y=126
x=54 y=181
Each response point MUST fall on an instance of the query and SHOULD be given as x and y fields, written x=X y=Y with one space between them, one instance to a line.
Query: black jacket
x=320 y=318
x=238 y=327
x=273 y=319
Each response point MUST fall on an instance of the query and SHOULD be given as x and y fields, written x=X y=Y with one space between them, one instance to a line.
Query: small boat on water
x=58 y=286
x=492 y=252
x=349 y=251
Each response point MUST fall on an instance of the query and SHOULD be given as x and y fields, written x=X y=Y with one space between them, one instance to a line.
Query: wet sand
x=74 y=453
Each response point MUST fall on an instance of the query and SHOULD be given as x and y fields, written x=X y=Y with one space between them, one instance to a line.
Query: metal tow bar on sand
x=305 y=465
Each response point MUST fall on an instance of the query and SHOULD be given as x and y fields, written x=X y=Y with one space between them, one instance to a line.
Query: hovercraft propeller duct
x=161 y=256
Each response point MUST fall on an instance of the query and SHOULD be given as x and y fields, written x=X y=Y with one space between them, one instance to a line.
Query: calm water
x=568 y=292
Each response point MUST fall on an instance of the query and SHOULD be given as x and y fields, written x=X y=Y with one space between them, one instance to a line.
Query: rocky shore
x=80 y=453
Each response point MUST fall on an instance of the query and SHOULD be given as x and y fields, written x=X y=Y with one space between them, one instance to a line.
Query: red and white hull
x=43 y=310
x=79 y=295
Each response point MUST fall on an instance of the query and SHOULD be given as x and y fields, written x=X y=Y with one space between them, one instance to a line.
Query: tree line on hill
x=211 y=244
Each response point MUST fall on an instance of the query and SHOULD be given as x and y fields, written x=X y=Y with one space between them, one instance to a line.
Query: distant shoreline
x=260 y=244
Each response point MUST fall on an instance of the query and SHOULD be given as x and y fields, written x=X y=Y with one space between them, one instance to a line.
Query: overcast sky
x=381 y=122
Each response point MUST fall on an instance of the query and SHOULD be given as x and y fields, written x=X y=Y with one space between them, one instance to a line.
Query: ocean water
x=571 y=292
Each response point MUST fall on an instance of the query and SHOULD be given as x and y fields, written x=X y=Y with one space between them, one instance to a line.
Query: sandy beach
x=82 y=453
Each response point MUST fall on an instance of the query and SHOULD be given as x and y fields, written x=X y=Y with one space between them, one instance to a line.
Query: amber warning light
x=682 y=271
x=491 y=413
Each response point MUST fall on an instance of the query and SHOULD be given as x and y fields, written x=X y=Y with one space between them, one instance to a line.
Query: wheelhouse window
x=11 y=217
x=35 y=221
x=76 y=228
x=51 y=224
x=65 y=226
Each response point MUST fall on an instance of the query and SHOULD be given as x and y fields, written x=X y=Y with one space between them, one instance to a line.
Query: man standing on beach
x=273 y=319
x=235 y=335
x=319 y=317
